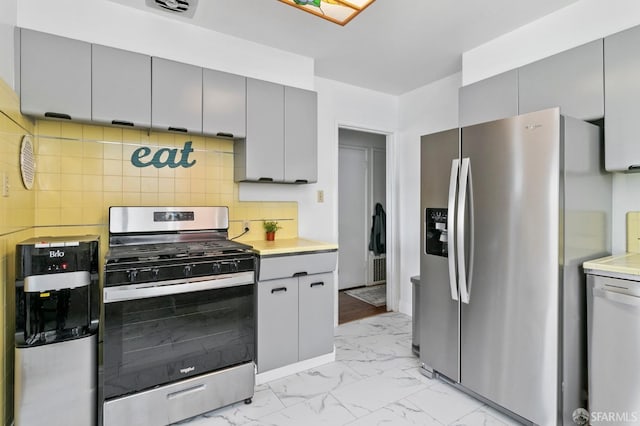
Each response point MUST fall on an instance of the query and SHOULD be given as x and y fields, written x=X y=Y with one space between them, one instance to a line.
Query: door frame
x=393 y=279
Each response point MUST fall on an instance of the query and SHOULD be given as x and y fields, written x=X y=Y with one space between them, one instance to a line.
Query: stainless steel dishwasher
x=614 y=348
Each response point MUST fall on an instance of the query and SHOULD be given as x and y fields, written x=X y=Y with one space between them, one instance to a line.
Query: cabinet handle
x=122 y=123
x=178 y=129
x=299 y=274
x=277 y=290
x=319 y=283
x=302 y=181
x=265 y=179
x=225 y=135
x=634 y=167
x=57 y=115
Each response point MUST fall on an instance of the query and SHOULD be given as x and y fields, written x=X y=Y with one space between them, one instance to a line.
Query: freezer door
x=439 y=312
x=509 y=328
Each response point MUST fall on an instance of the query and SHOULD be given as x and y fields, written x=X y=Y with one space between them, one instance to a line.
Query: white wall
x=8 y=17
x=423 y=111
x=576 y=24
x=112 y=24
x=572 y=26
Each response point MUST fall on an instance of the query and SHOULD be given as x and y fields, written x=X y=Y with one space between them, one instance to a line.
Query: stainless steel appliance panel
x=163 y=219
x=181 y=400
x=509 y=340
x=586 y=235
x=439 y=313
x=56 y=384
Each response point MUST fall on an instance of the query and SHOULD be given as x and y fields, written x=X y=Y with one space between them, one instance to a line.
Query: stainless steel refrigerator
x=510 y=210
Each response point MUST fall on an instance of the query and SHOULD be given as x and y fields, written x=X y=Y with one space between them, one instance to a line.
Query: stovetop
x=174 y=250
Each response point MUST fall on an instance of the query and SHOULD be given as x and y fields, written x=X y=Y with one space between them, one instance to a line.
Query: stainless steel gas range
x=179 y=315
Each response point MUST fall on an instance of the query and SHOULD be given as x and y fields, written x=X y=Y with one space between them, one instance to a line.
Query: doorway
x=361 y=224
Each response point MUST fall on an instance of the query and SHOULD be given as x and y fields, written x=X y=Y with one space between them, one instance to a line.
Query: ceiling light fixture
x=336 y=11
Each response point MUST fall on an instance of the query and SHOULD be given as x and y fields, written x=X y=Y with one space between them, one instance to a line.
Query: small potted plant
x=271 y=227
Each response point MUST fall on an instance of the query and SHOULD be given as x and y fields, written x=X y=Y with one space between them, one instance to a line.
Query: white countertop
x=628 y=264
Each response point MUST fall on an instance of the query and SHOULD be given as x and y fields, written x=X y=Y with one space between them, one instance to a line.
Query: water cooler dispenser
x=56 y=338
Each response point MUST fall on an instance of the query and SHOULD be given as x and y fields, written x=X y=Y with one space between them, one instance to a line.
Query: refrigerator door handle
x=451 y=220
x=464 y=278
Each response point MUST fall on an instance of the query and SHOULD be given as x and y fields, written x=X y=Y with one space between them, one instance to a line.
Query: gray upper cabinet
x=55 y=76
x=260 y=157
x=176 y=96
x=622 y=100
x=490 y=99
x=572 y=80
x=224 y=104
x=301 y=135
x=121 y=87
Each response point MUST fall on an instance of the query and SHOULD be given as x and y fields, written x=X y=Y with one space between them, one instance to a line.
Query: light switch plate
x=320 y=196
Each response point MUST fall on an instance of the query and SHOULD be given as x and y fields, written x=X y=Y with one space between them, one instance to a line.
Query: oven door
x=160 y=333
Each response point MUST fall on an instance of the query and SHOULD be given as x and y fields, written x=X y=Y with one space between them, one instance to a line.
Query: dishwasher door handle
x=626 y=299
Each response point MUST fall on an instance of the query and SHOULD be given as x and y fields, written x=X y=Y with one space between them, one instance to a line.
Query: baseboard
x=287 y=370
x=405 y=307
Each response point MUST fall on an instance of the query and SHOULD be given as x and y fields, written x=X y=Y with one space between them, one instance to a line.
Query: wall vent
x=184 y=8
x=377 y=269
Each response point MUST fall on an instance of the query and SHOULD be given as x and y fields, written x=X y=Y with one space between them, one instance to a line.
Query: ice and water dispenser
x=56 y=339
x=436 y=235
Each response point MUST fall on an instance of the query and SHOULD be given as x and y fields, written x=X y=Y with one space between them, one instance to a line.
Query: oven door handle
x=147 y=290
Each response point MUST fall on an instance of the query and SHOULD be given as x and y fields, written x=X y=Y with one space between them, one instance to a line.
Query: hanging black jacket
x=378 y=231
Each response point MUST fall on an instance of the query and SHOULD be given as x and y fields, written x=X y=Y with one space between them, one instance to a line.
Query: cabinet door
x=121 y=87
x=316 y=315
x=572 y=80
x=490 y=99
x=55 y=76
x=300 y=135
x=622 y=100
x=224 y=106
x=277 y=323
x=176 y=96
x=264 y=146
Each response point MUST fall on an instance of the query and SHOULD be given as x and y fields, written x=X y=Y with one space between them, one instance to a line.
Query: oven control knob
x=155 y=272
x=216 y=268
x=234 y=266
x=188 y=271
x=133 y=275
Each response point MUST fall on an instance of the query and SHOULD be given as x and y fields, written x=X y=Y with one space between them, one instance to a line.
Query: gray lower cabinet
x=295 y=308
x=121 y=87
x=176 y=96
x=277 y=342
x=300 y=135
x=55 y=76
x=315 y=332
x=224 y=104
x=622 y=100
x=571 y=80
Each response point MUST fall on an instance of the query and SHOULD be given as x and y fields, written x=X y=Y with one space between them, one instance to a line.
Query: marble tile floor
x=375 y=380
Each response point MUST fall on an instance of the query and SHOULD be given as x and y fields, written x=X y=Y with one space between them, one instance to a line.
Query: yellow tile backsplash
x=81 y=170
x=633 y=232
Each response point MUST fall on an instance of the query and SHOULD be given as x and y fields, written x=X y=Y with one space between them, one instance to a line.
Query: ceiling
x=393 y=46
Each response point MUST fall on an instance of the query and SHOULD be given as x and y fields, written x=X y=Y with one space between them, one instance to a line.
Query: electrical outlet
x=320 y=196
x=246 y=226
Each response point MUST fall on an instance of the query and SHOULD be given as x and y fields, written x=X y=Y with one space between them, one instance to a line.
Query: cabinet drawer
x=285 y=266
